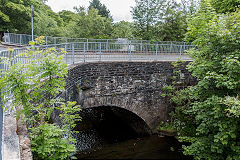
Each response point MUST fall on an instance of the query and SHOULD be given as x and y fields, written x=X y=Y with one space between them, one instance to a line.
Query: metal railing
x=102 y=51
x=84 y=50
x=23 y=39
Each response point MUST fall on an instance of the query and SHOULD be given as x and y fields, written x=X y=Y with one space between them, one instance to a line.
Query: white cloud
x=120 y=9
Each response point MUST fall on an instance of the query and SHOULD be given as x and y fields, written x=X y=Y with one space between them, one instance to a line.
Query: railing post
x=72 y=53
x=9 y=39
x=107 y=45
x=46 y=40
x=84 y=52
x=87 y=44
x=55 y=41
x=180 y=50
x=66 y=51
x=100 y=51
x=184 y=47
x=20 y=39
x=156 y=50
x=170 y=48
x=130 y=51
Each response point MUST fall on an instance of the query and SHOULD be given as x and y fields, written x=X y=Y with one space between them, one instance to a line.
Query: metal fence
x=23 y=39
x=84 y=50
x=106 y=51
x=1 y=129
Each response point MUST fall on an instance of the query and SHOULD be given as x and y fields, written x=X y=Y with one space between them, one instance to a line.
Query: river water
x=115 y=133
x=150 y=147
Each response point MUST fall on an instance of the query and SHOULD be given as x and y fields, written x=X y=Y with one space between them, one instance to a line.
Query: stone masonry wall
x=135 y=86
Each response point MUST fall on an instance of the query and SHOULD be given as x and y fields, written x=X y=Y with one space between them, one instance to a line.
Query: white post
x=87 y=44
x=20 y=39
x=180 y=50
x=32 y=13
x=171 y=48
x=72 y=53
x=55 y=41
x=130 y=48
x=184 y=46
x=46 y=40
x=100 y=51
x=156 y=50
x=107 y=45
x=84 y=52
x=66 y=51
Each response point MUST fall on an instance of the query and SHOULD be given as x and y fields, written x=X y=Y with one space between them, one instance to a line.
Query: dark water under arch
x=108 y=132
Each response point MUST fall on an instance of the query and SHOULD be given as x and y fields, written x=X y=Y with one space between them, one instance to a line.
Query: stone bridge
x=132 y=91
x=133 y=86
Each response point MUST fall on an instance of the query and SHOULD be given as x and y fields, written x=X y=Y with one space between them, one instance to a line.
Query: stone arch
x=134 y=86
x=125 y=103
x=138 y=124
x=108 y=124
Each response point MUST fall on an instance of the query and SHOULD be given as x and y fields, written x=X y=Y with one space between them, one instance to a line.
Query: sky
x=119 y=9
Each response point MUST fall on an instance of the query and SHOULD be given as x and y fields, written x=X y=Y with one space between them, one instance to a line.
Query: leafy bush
x=207 y=114
x=34 y=80
x=48 y=142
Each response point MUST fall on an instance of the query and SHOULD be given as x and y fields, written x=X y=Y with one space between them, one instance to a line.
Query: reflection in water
x=151 y=147
x=107 y=125
x=114 y=133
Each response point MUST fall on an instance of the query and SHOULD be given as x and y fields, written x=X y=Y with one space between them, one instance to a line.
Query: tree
x=67 y=16
x=172 y=26
x=207 y=115
x=189 y=7
x=123 y=29
x=224 y=6
x=160 y=20
x=90 y=25
x=146 y=14
x=80 y=9
x=102 y=9
x=8 y=19
x=15 y=16
x=46 y=22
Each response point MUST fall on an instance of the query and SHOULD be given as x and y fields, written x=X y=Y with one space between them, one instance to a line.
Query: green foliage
x=166 y=127
x=67 y=116
x=48 y=142
x=35 y=87
x=173 y=25
x=161 y=20
x=224 y=6
x=123 y=29
x=46 y=22
x=102 y=9
x=172 y=94
x=189 y=7
x=207 y=114
x=90 y=25
x=13 y=13
x=8 y=11
x=67 y=16
x=145 y=15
